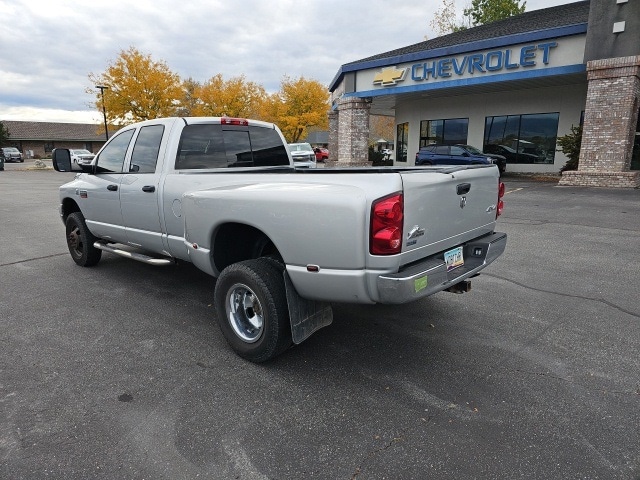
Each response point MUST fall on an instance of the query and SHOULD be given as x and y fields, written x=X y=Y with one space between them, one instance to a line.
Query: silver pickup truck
x=283 y=243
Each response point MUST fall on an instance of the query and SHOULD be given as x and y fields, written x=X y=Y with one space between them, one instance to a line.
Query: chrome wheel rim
x=244 y=312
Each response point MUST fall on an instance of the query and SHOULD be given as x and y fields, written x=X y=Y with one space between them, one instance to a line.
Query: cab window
x=227 y=146
x=111 y=158
x=442 y=150
x=146 y=149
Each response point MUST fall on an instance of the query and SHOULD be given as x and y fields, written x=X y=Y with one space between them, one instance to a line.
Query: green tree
x=139 y=88
x=4 y=134
x=445 y=19
x=570 y=146
x=478 y=13
x=487 y=11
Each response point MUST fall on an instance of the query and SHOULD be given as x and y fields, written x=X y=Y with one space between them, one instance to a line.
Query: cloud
x=50 y=48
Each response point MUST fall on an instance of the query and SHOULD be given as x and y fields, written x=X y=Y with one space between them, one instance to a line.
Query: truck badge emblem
x=415 y=232
x=463 y=202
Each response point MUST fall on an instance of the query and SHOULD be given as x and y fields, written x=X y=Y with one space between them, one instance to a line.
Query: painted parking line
x=514 y=190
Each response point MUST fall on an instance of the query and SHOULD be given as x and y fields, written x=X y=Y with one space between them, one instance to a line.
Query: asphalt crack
x=567 y=295
x=375 y=452
x=33 y=259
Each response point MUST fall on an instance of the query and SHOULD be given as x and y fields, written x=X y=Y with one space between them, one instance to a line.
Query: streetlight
x=104 y=111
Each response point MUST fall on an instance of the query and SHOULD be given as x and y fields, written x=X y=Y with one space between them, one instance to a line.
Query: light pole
x=104 y=111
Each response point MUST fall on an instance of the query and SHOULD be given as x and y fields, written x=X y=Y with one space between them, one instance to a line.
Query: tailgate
x=447 y=207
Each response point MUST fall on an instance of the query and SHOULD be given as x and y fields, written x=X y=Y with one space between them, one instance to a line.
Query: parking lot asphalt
x=119 y=371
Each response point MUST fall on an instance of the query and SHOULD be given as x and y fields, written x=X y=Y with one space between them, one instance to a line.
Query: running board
x=158 y=262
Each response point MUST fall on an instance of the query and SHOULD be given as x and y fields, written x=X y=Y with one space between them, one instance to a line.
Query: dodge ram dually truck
x=283 y=243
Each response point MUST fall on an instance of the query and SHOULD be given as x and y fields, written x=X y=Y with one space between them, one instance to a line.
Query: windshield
x=11 y=150
x=300 y=147
x=471 y=149
x=81 y=152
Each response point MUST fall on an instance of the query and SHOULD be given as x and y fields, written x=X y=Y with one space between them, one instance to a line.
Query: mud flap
x=306 y=316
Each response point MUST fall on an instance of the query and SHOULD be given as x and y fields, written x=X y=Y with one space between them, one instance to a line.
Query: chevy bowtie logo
x=389 y=76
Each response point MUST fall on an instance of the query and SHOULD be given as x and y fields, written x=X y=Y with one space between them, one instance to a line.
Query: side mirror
x=61 y=158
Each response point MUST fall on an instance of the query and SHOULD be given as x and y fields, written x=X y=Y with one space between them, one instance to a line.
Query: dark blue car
x=457 y=155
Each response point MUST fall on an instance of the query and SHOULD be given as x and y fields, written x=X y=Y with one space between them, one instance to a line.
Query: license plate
x=454 y=258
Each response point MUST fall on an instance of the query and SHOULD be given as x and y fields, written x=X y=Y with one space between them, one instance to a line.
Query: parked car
x=454 y=155
x=498 y=160
x=303 y=155
x=81 y=157
x=11 y=154
x=322 y=154
x=511 y=154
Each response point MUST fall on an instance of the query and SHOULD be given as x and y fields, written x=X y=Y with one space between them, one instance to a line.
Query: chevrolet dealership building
x=510 y=87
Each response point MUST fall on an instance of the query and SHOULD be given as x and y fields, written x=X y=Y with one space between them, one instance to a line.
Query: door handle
x=112 y=188
x=148 y=188
x=463 y=188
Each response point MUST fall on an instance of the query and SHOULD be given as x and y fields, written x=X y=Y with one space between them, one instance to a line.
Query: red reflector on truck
x=387 y=215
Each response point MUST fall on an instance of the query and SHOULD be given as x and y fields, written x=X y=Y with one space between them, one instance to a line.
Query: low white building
x=510 y=87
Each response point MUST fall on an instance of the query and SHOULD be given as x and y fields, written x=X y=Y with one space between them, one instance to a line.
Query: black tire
x=80 y=241
x=425 y=163
x=252 y=310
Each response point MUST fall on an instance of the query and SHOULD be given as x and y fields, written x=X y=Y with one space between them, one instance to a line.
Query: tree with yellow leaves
x=139 y=88
x=298 y=105
x=189 y=102
x=381 y=126
x=235 y=97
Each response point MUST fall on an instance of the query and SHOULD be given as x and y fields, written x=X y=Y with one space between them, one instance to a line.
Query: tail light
x=500 y=202
x=387 y=215
x=234 y=121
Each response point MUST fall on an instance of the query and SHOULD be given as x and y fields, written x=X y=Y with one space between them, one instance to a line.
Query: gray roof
x=536 y=20
x=46 y=131
x=318 y=136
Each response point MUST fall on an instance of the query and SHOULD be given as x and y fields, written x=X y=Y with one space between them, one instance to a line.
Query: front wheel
x=252 y=310
x=80 y=241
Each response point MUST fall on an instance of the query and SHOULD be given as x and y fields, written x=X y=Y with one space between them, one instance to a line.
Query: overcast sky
x=48 y=49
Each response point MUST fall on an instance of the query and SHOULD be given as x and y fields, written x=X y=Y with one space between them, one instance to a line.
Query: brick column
x=610 y=119
x=333 y=136
x=353 y=132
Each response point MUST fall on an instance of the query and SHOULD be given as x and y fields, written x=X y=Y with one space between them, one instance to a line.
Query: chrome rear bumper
x=430 y=275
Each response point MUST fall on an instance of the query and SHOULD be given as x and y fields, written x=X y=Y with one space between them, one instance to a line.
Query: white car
x=303 y=155
x=80 y=157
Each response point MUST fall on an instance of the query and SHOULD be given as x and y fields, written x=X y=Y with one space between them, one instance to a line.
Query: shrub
x=377 y=159
x=570 y=146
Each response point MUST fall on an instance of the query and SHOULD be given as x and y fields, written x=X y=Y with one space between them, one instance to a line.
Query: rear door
x=441 y=155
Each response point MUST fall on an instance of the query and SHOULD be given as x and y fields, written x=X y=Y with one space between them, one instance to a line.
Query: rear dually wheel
x=252 y=310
